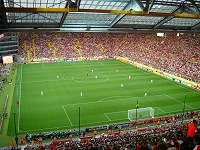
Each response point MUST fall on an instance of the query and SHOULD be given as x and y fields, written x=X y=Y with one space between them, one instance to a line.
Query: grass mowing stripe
x=81 y=80
x=17 y=88
x=43 y=81
x=65 y=94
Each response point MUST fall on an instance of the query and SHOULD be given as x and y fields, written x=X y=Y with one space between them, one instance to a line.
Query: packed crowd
x=169 y=135
x=178 y=55
x=172 y=138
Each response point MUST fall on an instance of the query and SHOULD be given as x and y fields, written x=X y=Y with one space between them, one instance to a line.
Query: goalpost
x=142 y=113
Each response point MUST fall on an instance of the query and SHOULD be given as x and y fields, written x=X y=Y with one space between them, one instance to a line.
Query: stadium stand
x=180 y=57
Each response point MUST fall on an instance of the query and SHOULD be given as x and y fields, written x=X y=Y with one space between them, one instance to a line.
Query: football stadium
x=110 y=75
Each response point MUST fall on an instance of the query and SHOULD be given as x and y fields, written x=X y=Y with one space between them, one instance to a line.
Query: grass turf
x=103 y=100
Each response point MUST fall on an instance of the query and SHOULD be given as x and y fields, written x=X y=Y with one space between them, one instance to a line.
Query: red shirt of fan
x=192 y=130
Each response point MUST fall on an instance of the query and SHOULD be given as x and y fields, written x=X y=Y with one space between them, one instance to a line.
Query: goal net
x=142 y=113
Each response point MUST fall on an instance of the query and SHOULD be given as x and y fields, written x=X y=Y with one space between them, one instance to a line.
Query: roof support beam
x=146 y=8
x=69 y=5
x=195 y=6
x=118 y=18
x=195 y=26
x=188 y=9
x=63 y=16
x=78 y=2
x=180 y=10
x=69 y=2
x=130 y=12
x=139 y=4
x=132 y=5
x=151 y=5
x=15 y=19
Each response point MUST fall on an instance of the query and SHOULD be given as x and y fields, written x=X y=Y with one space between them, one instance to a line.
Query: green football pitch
x=91 y=93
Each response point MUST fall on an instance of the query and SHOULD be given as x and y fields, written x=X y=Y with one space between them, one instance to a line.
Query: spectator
x=13 y=145
x=197 y=143
x=192 y=130
x=40 y=140
x=32 y=143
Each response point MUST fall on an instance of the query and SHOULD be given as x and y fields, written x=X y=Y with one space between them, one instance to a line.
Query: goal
x=142 y=113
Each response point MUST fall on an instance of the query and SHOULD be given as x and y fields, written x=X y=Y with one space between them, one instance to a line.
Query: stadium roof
x=100 y=15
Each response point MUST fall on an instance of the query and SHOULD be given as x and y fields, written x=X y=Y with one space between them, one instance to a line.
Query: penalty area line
x=160 y=109
x=179 y=101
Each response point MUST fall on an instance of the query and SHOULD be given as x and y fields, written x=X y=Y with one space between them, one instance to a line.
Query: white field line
x=102 y=122
x=117 y=112
x=86 y=65
x=171 y=112
x=67 y=115
x=95 y=102
x=20 y=90
x=179 y=101
x=101 y=63
x=44 y=81
x=123 y=97
x=179 y=85
x=102 y=100
x=160 y=109
x=107 y=117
